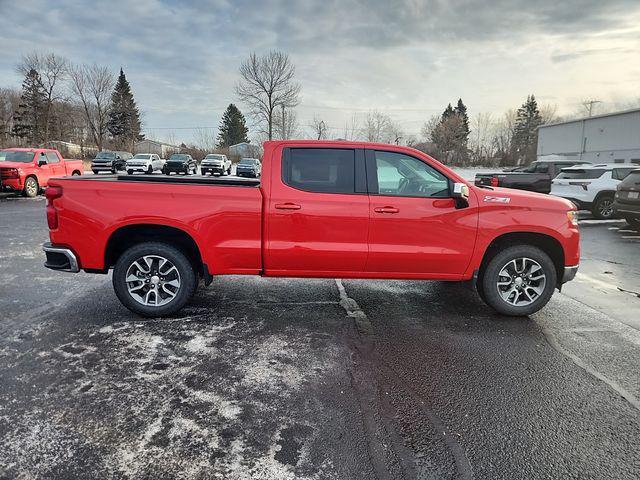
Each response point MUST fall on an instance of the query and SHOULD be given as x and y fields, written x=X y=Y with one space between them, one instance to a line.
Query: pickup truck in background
x=110 y=162
x=323 y=209
x=535 y=178
x=28 y=170
x=145 y=163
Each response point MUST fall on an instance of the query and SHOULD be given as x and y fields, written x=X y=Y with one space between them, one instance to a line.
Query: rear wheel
x=603 y=208
x=154 y=279
x=518 y=280
x=31 y=187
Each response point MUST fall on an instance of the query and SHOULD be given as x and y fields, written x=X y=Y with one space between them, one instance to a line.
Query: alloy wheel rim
x=31 y=187
x=153 y=280
x=521 y=282
x=606 y=208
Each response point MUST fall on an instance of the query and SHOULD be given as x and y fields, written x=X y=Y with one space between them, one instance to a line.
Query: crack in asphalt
x=365 y=346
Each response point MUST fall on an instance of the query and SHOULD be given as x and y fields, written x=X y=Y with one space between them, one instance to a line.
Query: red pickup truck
x=28 y=170
x=321 y=209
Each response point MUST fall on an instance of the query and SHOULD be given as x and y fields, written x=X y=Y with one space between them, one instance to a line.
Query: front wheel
x=634 y=222
x=31 y=187
x=518 y=281
x=603 y=208
x=154 y=279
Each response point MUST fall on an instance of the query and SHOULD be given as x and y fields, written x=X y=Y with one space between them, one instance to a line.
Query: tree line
x=87 y=104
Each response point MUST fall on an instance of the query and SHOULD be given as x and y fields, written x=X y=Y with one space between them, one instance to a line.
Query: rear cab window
x=320 y=170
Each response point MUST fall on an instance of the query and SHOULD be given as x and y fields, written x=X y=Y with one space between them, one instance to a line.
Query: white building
x=245 y=149
x=159 y=148
x=608 y=138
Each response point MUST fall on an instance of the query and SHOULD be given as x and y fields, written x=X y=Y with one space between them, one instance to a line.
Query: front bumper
x=180 y=168
x=60 y=258
x=212 y=168
x=102 y=167
x=137 y=168
x=626 y=209
x=246 y=173
x=11 y=184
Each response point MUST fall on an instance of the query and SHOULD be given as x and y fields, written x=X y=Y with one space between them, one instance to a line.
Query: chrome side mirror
x=461 y=195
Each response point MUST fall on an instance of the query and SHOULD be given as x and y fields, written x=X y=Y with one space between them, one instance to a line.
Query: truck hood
x=510 y=197
x=16 y=165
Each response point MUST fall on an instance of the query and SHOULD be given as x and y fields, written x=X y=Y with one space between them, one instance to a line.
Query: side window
x=404 y=176
x=542 y=168
x=52 y=157
x=322 y=170
x=621 y=173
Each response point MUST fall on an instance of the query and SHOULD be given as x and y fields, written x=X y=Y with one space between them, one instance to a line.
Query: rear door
x=415 y=229
x=317 y=212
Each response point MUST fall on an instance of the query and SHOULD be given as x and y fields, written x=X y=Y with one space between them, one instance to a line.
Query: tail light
x=584 y=185
x=494 y=181
x=52 y=214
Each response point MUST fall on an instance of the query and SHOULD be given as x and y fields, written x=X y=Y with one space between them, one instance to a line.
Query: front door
x=415 y=228
x=318 y=213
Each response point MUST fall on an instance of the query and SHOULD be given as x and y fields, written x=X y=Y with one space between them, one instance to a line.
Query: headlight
x=572 y=215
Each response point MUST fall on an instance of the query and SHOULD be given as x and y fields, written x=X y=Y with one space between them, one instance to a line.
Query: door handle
x=287 y=206
x=386 y=210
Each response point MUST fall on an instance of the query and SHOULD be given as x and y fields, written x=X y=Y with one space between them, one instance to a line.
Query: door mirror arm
x=460 y=192
x=42 y=163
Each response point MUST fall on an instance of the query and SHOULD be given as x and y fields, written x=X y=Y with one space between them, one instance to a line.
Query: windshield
x=213 y=157
x=248 y=161
x=178 y=157
x=9 y=156
x=143 y=156
x=581 y=173
x=105 y=155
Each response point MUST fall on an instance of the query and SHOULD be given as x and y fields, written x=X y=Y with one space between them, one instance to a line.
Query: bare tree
x=267 y=84
x=481 y=142
x=92 y=85
x=352 y=128
x=429 y=127
x=52 y=70
x=319 y=128
x=286 y=124
x=549 y=113
x=9 y=101
x=205 y=139
x=377 y=127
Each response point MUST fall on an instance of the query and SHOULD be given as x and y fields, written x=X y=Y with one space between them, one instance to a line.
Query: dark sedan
x=627 y=199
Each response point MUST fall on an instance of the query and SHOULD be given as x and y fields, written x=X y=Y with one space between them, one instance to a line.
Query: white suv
x=215 y=163
x=591 y=187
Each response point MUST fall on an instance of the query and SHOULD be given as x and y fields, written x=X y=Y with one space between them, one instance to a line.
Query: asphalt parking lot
x=287 y=378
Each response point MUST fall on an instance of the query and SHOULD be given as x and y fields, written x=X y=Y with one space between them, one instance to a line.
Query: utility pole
x=588 y=104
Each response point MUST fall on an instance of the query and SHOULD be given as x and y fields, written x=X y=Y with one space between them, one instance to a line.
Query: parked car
x=626 y=202
x=215 y=163
x=591 y=187
x=145 y=163
x=111 y=162
x=535 y=178
x=326 y=209
x=180 y=163
x=28 y=170
x=249 y=167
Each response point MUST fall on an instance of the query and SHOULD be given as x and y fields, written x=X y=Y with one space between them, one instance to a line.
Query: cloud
x=406 y=56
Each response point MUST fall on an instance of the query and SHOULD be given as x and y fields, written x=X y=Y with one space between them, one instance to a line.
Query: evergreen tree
x=30 y=116
x=524 y=141
x=461 y=111
x=448 y=112
x=124 y=116
x=233 y=128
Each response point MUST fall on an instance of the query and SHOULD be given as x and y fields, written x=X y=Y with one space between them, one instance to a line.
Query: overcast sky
x=408 y=59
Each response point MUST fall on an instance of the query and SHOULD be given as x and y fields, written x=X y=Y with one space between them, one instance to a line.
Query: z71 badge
x=491 y=199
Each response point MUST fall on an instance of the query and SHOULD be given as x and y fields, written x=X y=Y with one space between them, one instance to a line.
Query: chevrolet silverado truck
x=28 y=170
x=535 y=177
x=324 y=209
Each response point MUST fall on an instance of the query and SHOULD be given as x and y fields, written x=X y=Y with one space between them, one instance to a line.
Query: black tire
x=634 y=222
x=188 y=278
x=150 y=170
x=31 y=187
x=95 y=172
x=603 y=207
x=488 y=282
x=130 y=172
x=75 y=173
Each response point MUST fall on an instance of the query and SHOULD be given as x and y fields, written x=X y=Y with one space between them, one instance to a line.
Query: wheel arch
x=130 y=235
x=548 y=244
